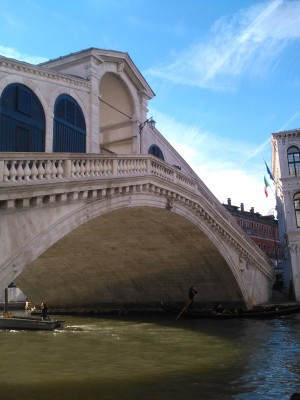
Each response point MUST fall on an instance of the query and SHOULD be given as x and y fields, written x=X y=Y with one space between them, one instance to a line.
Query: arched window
x=293 y=156
x=22 y=126
x=156 y=151
x=69 y=126
x=297 y=208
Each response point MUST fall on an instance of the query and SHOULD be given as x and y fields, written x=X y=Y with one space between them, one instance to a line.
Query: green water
x=152 y=358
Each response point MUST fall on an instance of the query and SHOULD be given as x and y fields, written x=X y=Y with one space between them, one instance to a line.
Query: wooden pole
x=6 y=300
x=184 y=308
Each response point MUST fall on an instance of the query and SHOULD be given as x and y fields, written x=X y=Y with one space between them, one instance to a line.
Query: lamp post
x=151 y=123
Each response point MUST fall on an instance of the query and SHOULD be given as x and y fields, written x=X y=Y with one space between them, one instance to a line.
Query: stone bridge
x=90 y=231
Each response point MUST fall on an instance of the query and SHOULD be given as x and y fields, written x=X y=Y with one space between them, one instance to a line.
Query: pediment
x=86 y=59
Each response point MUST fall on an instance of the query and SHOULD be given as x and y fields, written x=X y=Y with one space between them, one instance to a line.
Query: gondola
x=23 y=323
x=11 y=322
x=267 y=312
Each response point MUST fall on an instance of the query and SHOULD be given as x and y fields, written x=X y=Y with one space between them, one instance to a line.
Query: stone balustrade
x=16 y=168
x=30 y=169
x=39 y=168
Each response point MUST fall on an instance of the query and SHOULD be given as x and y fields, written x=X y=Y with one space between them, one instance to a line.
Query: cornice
x=30 y=69
x=284 y=137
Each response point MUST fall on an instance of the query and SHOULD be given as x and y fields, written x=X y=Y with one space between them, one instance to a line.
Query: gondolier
x=44 y=311
x=192 y=293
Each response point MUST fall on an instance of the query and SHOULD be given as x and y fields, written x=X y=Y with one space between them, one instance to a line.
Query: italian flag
x=266 y=186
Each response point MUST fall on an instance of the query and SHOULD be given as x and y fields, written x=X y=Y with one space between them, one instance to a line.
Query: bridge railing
x=25 y=168
x=18 y=168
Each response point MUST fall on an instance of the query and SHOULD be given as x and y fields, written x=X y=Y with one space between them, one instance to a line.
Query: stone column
x=295 y=263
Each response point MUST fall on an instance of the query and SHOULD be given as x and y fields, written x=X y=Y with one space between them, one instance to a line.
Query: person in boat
x=44 y=311
x=192 y=292
x=219 y=309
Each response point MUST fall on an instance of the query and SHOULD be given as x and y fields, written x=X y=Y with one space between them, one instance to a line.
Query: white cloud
x=204 y=145
x=13 y=53
x=250 y=42
x=222 y=164
x=239 y=186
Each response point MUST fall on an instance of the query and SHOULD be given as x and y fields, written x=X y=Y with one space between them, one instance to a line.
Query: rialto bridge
x=89 y=231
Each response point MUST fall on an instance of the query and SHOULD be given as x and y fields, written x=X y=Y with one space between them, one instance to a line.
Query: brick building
x=262 y=229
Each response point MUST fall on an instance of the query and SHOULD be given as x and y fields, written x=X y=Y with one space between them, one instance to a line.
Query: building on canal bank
x=286 y=178
x=264 y=231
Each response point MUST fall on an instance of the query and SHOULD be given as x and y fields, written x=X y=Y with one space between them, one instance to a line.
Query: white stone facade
x=111 y=92
x=287 y=185
x=130 y=228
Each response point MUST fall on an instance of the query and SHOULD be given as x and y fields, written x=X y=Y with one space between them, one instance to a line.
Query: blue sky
x=226 y=73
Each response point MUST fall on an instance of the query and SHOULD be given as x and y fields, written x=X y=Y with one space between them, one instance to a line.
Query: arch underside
x=130 y=257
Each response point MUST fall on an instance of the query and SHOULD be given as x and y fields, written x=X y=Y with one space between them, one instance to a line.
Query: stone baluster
x=20 y=170
x=148 y=166
x=48 y=169
x=120 y=167
x=128 y=166
x=12 y=171
x=82 y=168
x=41 y=170
x=87 y=168
x=54 y=170
x=115 y=167
x=101 y=167
x=27 y=171
x=73 y=169
x=110 y=167
x=92 y=164
x=60 y=170
x=174 y=176
x=124 y=166
x=1 y=171
x=77 y=168
x=104 y=167
x=6 y=172
x=34 y=170
x=97 y=167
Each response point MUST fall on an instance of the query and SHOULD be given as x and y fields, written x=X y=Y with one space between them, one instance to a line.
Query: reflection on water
x=152 y=357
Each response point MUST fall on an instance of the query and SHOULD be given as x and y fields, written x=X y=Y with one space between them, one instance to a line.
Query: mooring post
x=6 y=300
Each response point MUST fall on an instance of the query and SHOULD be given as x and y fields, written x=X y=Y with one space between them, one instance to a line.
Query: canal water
x=152 y=357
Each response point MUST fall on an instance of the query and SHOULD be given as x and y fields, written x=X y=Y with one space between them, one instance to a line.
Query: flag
x=266 y=186
x=269 y=172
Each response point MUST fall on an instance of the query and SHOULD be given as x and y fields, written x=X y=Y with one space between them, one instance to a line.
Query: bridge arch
x=182 y=250
x=156 y=204
x=130 y=264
